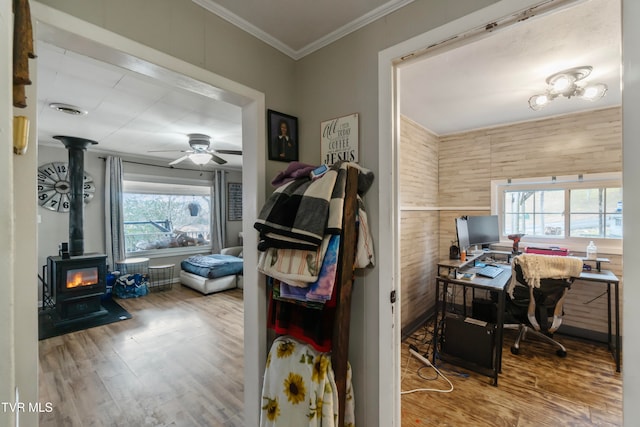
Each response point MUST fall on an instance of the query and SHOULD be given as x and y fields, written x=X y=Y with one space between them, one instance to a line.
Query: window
x=160 y=217
x=562 y=209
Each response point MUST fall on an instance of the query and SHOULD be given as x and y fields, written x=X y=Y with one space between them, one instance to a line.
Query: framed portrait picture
x=283 y=136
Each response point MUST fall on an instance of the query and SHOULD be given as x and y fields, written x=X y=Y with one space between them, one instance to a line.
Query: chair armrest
x=232 y=250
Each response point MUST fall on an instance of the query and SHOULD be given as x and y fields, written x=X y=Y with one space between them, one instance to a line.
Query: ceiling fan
x=200 y=152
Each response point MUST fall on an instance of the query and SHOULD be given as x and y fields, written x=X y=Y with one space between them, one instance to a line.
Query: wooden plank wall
x=418 y=198
x=582 y=143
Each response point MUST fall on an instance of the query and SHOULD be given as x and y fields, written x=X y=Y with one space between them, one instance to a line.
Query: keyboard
x=489 y=271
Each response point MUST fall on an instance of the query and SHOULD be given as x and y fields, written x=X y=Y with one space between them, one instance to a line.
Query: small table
x=133 y=266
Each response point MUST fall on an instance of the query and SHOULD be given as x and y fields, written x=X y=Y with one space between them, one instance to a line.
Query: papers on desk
x=465 y=276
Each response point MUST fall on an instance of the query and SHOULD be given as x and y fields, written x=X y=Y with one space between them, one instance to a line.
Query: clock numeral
x=64 y=204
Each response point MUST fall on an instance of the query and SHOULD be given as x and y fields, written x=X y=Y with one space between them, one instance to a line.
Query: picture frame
x=282 y=149
x=339 y=139
x=234 y=201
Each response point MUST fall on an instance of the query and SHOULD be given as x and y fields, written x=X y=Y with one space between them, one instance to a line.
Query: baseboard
x=575 y=332
x=416 y=324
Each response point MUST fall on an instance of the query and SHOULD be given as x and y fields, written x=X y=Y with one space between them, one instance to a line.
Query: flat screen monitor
x=463 y=233
x=483 y=230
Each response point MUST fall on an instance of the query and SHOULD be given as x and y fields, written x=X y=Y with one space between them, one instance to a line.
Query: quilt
x=212 y=266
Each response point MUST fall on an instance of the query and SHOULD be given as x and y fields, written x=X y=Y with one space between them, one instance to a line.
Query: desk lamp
x=516 y=240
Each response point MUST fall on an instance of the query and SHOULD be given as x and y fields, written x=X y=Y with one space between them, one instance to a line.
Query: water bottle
x=592 y=251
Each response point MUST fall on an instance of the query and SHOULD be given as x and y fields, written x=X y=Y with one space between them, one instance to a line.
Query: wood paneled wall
x=466 y=163
x=418 y=197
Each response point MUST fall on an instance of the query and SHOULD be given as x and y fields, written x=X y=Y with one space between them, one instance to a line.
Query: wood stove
x=78 y=284
x=76 y=280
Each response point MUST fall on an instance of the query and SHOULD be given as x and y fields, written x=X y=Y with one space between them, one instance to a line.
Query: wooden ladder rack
x=344 y=285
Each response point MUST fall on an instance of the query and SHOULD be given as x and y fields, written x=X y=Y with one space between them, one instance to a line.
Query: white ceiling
x=488 y=82
x=484 y=83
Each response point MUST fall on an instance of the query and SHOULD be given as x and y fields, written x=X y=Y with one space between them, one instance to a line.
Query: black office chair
x=536 y=311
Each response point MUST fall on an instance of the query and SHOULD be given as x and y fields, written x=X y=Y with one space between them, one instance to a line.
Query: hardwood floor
x=535 y=388
x=177 y=362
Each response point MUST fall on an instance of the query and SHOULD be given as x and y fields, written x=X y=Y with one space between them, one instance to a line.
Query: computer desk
x=497 y=284
x=607 y=277
x=595 y=276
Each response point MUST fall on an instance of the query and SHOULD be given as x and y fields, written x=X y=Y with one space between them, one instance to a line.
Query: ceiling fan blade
x=170 y=151
x=236 y=152
x=178 y=160
x=218 y=160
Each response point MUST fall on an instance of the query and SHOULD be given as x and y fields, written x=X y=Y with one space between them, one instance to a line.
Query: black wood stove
x=77 y=281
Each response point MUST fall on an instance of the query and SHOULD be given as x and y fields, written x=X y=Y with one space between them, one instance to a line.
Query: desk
x=498 y=285
x=606 y=276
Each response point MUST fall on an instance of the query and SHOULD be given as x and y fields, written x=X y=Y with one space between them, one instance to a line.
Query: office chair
x=538 y=310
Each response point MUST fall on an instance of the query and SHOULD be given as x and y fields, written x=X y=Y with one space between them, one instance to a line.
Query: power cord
x=413 y=351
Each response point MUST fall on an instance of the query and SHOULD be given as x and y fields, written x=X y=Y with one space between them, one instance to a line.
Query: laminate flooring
x=535 y=389
x=177 y=362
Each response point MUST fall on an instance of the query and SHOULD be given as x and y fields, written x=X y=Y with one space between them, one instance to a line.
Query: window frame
x=566 y=183
x=149 y=185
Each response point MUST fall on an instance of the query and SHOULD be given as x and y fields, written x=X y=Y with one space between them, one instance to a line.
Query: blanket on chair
x=535 y=267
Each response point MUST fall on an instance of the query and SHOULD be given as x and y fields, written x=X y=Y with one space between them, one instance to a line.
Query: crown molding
x=346 y=29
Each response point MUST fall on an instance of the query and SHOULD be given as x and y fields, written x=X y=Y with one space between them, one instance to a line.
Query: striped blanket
x=300 y=213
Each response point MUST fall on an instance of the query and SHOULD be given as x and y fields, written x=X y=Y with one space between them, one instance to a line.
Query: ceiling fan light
x=594 y=92
x=536 y=102
x=200 y=158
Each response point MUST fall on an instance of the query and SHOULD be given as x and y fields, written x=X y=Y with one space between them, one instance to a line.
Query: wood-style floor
x=177 y=362
x=536 y=388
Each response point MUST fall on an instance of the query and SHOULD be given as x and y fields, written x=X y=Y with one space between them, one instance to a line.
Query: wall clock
x=54 y=187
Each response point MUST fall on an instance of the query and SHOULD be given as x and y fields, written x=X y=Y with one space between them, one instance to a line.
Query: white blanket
x=535 y=267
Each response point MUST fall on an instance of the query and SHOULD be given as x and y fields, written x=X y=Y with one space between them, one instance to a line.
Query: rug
x=48 y=327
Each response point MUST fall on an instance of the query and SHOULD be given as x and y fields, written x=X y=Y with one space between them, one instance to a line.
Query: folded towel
x=293 y=171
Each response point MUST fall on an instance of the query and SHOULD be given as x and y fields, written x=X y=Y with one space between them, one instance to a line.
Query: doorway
x=390 y=70
x=78 y=36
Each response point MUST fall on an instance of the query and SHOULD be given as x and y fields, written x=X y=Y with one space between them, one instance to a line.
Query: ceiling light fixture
x=68 y=109
x=200 y=158
x=564 y=84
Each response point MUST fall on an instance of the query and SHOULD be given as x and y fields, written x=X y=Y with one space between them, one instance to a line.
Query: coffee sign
x=339 y=139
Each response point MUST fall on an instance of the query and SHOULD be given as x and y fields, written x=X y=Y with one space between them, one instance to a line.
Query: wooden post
x=344 y=284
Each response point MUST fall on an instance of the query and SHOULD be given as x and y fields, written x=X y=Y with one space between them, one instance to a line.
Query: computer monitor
x=463 y=233
x=483 y=230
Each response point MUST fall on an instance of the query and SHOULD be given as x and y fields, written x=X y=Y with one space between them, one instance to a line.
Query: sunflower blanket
x=299 y=388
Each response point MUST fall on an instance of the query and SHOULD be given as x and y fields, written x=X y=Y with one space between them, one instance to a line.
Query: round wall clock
x=54 y=187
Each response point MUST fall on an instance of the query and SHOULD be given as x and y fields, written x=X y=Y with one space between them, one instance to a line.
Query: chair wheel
x=515 y=350
x=561 y=353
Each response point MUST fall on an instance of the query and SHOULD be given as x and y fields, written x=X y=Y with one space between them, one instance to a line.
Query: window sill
x=170 y=252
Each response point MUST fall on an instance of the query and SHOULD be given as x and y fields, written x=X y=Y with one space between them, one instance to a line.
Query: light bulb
x=594 y=92
x=562 y=84
x=536 y=102
x=200 y=158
